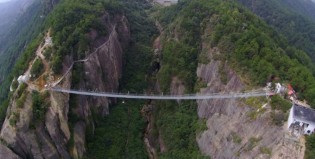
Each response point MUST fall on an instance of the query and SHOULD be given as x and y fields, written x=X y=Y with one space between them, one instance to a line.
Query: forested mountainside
x=295 y=21
x=211 y=37
x=304 y=7
x=10 y=11
x=288 y=19
x=11 y=48
x=20 y=38
x=135 y=46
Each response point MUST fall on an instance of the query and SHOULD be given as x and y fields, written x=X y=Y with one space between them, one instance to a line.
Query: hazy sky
x=4 y=1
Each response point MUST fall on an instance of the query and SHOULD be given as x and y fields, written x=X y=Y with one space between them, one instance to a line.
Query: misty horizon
x=3 y=1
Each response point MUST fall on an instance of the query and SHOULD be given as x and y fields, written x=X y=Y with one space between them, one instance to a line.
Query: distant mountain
x=25 y=27
x=294 y=19
x=304 y=7
x=10 y=11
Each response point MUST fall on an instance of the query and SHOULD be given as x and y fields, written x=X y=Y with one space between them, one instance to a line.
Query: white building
x=23 y=78
x=48 y=41
x=301 y=120
x=280 y=89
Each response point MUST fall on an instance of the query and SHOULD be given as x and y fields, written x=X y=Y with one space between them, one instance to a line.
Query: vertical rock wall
x=231 y=132
x=55 y=137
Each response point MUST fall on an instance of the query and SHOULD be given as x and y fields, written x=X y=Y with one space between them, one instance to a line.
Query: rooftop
x=303 y=113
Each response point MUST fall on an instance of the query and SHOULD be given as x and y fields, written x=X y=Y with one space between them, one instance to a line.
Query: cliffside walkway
x=85 y=59
x=230 y=95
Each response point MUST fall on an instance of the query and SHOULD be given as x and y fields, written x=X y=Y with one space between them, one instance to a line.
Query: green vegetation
x=310 y=147
x=292 y=23
x=37 y=68
x=290 y=18
x=251 y=47
x=48 y=53
x=278 y=117
x=201 y=126
x=265 y=150
x=138 y=62
x=77 y=74
x=118 y=135
x=40 y=104
x=27 y=27
x=279 y=103
x=200 y=84
x=14 y=119
x=176 y=56
x=14 y=84
x=252 y=115
x=236 y=138
x=256 y=102
x=21 y=89
x=252 y=142
x=19 y=68
x=3 y=142
x=223 y=74
x=73 y=118
x=178 y=124
x=70 y=23
x=20 y=102
x=280 y=108
x=246 y=43
x=3 y=109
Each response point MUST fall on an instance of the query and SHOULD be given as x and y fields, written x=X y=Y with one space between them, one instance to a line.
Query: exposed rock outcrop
x=102 y=72
x=33 y=139
x=4 y=151
x=231 y=132
x=53 y=137
x=177 y=87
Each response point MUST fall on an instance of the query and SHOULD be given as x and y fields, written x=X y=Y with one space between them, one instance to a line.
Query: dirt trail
x=38 y=83
x=40 y=51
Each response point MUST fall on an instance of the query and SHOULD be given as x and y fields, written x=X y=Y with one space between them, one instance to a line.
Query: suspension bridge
x=198 y=96
x=230 y=95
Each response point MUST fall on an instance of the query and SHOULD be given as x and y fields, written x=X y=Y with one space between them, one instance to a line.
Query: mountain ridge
x=10 y=11
x=198 y=46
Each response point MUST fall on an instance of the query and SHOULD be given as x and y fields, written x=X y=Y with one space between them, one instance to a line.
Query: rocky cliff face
x=4 y=151
x=53 y=137
x=102 y=72
x=232 y=131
